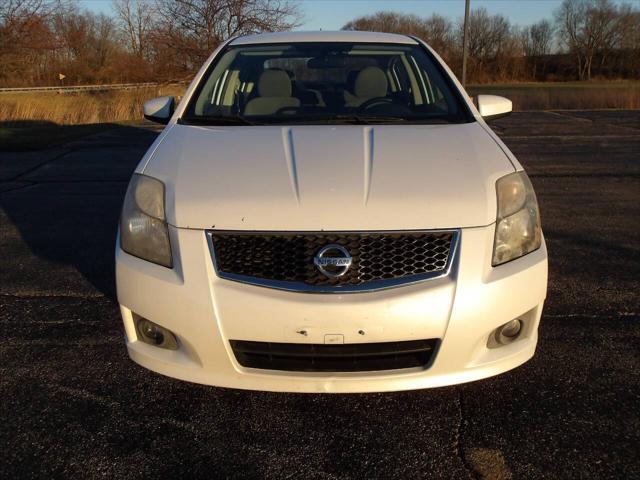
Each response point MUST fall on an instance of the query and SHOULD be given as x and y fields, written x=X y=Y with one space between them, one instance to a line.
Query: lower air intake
x=355 y=357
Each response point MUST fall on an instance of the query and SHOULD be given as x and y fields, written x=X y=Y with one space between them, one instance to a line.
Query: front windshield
x=325 y=83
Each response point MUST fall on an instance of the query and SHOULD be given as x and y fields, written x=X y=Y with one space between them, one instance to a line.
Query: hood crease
x=290 y=158
x=368 y=160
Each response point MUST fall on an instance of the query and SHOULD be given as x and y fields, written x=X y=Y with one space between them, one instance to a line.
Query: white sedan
x=329 y=212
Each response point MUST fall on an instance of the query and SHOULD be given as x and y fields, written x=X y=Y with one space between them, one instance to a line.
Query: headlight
x=518 y=223
x=143 y=226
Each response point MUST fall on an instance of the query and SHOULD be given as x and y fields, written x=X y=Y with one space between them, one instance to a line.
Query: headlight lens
x=518 y=223
x=143 y=226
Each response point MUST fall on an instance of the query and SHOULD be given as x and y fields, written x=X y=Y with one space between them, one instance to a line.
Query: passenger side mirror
x=493 y=106
x=159 y=109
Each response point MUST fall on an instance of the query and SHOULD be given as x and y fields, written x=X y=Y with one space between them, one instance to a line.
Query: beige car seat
x=274 y=93
x=371 y=82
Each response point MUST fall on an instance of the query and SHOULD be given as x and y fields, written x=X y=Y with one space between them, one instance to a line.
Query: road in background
x=73 y=404
x=89 y=88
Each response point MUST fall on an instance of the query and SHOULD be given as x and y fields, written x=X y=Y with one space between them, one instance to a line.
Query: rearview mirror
x=326 y=62
x=159 y=109
x=493 y=106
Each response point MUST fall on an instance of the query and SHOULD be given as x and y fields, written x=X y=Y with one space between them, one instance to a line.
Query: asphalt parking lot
x=74 y=405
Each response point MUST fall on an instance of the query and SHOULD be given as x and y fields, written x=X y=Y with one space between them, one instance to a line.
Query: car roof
x=322 y=36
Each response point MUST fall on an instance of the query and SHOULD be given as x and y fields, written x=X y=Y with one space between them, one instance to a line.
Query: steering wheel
x=372 y=102
x=289 y=110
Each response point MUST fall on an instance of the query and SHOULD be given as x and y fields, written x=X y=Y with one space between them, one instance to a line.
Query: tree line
x=142 y=40
x=166 y=40
x=583 y=39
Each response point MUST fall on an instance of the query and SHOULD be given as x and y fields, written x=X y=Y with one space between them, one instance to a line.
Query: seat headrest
x=274 y=83
x=371 y=82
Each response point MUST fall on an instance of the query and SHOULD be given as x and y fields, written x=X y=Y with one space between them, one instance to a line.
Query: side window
x=212 y=93
x=430 y=92
x=430 y=84
x=414 y=81
x=400 y=78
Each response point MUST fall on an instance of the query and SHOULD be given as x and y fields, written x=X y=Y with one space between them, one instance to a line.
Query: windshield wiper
x=358 y=119
x=355 y=119
x=219 y=120
x=351 y=118
x=368 y=119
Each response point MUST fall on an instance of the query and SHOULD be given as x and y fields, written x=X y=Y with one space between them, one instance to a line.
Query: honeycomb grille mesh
x=289 y=257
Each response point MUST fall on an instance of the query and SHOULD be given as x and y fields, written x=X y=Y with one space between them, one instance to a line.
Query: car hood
x=329 y=177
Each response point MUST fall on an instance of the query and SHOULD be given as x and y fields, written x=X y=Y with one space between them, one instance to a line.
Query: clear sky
x=333 y=14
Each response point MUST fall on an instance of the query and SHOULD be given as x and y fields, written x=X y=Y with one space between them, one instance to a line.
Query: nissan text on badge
x=329 y=212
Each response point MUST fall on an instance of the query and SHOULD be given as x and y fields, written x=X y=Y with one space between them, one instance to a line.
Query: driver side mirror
x=159 y=109
x=493 y=106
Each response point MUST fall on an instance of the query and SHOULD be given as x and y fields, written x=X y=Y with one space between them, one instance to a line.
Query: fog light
x=154 y=334
x=508 y=332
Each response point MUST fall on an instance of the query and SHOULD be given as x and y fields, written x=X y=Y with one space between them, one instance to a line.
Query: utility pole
x=465 y=41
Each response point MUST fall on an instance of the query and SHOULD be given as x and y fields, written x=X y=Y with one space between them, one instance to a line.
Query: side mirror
x=493 y=106
x=159 y=110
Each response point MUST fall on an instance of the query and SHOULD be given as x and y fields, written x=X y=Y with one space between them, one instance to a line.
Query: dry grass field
x=566 y=95
x=35 y=120
x=122 y=106
x=80 y=107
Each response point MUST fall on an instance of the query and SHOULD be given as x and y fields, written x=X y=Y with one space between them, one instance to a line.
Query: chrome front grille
x=286 y=260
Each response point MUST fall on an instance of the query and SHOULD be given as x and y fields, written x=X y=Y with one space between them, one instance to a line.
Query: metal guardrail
x=88 y=88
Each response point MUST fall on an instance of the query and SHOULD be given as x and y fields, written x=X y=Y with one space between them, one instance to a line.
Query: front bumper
x=205 y=312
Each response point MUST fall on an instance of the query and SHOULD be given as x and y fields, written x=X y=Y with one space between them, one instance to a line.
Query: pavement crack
x=471 y=473
x=571 y=117
x=565 y=114
x=86 y=395
x=20 y=187
x=608 y=316
x=585 y=136
x=584 y=175
x=120 y=182
x=41 y=164
x=84 y=296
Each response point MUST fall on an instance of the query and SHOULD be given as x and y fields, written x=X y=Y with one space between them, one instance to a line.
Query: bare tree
x=487 y=34
x=168 y=39
x=570 y=22
x=489 y=39
x=628 y=50
x=539 y=38
x=390 y=22
x=436 y=30
x=616 y=25
x=102 y=40
x=194 y=28
x=588 y=28
x=18 y=18
x=439 y=34
x=536 y=42
x=16 y=14
x=24 y=37
x=86 y=45
x=136 y=19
